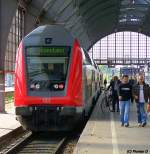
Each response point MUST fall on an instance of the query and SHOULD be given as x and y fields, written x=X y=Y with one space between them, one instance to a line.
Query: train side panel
x=75 y=88
x=20 y=82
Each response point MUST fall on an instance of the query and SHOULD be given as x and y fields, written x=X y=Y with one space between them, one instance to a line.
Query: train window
x=87 y=58
x=84 y=58
x=47 y=64
x=96 y=66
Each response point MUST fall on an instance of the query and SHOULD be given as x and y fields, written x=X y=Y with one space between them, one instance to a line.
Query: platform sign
x=128 y=71
x=111 y=66
x=142 y=66
x=125 y=71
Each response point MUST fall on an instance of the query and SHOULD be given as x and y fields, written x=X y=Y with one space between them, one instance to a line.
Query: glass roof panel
x=122 y=46
x=133 y=11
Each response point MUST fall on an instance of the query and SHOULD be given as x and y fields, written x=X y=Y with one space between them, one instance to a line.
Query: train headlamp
x=56 y=86
x=37 y=86
x=32 y=86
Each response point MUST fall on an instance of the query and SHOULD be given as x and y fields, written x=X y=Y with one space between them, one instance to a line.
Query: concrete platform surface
x=104 y=135
x=8 y=123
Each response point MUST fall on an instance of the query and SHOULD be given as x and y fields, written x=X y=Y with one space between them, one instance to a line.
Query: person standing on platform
x=141 y=93
x=105 y=82
x=114 y=85
x=125 y=94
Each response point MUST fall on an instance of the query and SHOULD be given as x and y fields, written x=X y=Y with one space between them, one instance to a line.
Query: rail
x=41 y=143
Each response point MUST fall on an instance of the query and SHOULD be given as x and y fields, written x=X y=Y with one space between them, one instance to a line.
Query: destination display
x=48 y=51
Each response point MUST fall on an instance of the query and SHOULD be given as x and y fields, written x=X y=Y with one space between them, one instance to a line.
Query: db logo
x=46 y=100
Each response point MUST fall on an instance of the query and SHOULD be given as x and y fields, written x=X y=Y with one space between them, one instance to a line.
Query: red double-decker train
x=56 y=82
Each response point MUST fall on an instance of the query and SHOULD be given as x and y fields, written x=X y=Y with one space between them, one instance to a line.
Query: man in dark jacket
x=141 y=93
x=114 y=85
x=125 y=94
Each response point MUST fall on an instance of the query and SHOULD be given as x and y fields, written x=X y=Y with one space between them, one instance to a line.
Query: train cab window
x=93 y=62
x=47 y=65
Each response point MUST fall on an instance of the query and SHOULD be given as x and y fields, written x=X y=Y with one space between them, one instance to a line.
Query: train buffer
x=103 y=134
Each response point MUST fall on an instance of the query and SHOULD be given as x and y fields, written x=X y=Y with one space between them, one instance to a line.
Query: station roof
x=90 y=20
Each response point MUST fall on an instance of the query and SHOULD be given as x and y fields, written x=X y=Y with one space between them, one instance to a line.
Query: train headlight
x=32 y=86
x=37 y=86
x=56 y=86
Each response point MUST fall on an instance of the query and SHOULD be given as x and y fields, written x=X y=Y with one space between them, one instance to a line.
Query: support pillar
x=7 y=12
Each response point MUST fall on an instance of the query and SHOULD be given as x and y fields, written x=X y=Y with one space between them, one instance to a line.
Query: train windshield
x=47 y=65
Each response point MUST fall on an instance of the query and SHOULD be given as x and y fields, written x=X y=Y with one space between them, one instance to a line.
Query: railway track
x=42 y=143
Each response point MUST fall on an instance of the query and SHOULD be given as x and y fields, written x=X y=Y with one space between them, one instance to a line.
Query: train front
x=46 y=94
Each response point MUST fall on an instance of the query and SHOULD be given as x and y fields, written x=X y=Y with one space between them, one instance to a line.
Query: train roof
x=49 y=35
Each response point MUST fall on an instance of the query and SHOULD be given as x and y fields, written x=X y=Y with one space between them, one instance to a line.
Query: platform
x=8 y=123
x=103 y=134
